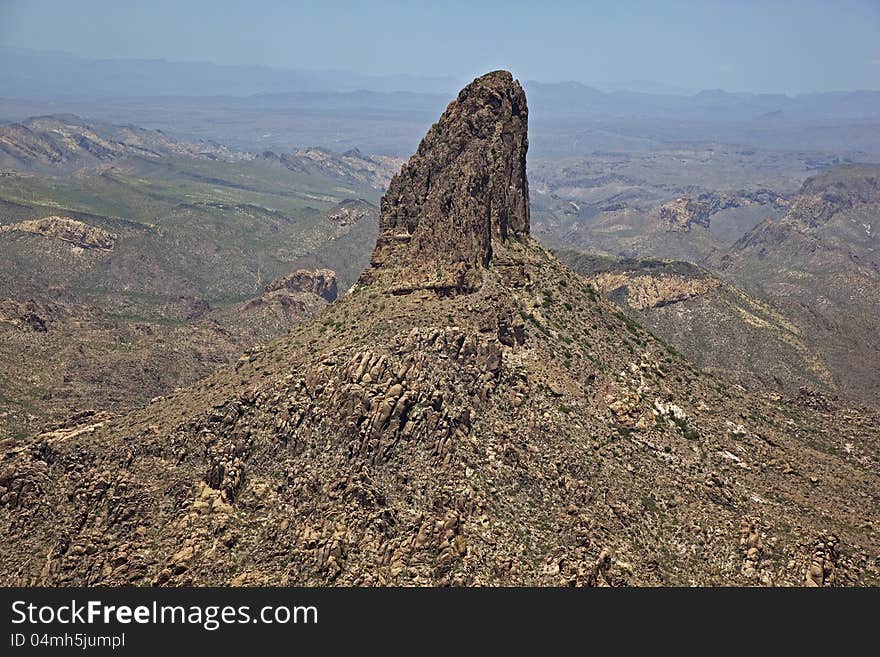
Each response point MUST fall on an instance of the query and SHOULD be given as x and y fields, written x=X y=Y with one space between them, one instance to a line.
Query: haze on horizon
x=673 y=47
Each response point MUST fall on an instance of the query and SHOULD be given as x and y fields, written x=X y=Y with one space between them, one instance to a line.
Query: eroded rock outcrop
x=321 y=282
x=821 y=570
x=28 y=315
x=465 y=187
x=647 y=291
x=68 y=230
x=290 y=299
x=350 y=211
x=681 y=214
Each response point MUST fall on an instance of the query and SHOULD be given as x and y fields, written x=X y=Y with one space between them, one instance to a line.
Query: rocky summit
x=471 y=413
x=465 y=187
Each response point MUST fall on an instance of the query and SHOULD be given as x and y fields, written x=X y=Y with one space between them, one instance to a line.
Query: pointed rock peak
x=464 y=188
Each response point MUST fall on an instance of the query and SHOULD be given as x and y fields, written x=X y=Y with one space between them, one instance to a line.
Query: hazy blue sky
x=789 y=46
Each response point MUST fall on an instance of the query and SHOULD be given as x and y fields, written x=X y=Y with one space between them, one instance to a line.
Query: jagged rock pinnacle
x=465 y=186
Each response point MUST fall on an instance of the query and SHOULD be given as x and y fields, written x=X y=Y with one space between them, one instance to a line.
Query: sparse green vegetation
x=686 y=430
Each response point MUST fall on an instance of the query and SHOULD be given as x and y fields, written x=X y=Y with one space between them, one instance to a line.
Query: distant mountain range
x=26 y=73
x=578 y=100
x=38 y=75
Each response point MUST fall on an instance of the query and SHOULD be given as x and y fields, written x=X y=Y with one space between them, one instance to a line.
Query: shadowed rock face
x=465 y=186
x=321 y=282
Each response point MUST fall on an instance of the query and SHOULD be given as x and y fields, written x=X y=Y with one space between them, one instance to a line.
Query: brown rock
x=465 y=186
x=682 y=213
x=321 y=282
x=67 y=230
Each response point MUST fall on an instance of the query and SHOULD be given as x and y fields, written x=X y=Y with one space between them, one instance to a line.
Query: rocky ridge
x=66 y=229
x=645 y=291
x=682 y=213
x=351 y=166
x=68 y=141
x=320 y=282
x=819 y=263
x=719 y=326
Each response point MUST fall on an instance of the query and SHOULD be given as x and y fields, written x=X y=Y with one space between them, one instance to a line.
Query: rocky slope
x=149 y=272
x=351 y=166
x=467 y=415
x=721 y=328
x=683 y=202
x=820 y=264
x=59 y=359
x=67 y=141
x=800 y=264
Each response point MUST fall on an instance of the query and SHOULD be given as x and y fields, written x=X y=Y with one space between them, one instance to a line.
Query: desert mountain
x=471 y=413
x=798 y=266
x=60 y=360
x=352 y=166
x=820 y=264
x=67 y=141
x=718 y=326
x=682 y=203
x=147 y=272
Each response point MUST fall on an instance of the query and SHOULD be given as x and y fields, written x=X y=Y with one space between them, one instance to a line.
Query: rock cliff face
x=646 y=291
x=350 y=211
x=681 y=214
x=321 y=282
x=465 y=187
x=287 y=300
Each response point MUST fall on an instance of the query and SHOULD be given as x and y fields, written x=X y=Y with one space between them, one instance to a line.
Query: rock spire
x=464 y=188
